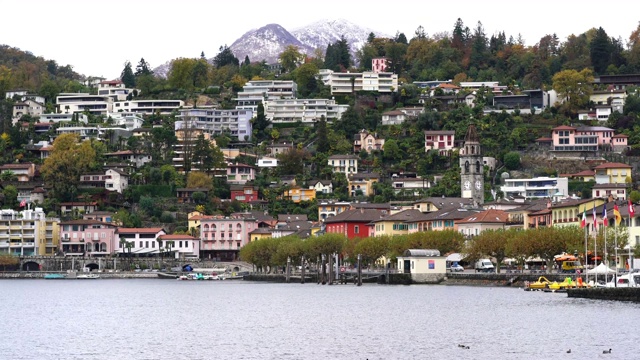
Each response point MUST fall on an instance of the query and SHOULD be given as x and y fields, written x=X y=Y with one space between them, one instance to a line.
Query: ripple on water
x=151 y=319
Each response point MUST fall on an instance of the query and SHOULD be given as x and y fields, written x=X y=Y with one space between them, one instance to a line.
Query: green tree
x=143 y=68
x=127 y=76
x=181 y=74
x=290 y=58
x=225 y=57
x=574 y=87
x=512 y=160
x=600 y=51
x=66 y=163
x=260 y=123
x=10 y=193
x=322 y=139
x=199 y=179
x=305 y=77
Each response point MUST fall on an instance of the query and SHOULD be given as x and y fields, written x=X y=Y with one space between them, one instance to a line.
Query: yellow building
x=194 y=219
x=569 y=213
x=396 y=224
x=362 y=184
x=28 y=233
x=259 y=233
x=613 y=173
x=298 y=194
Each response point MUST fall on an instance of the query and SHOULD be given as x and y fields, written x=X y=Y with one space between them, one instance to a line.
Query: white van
x=484 y=265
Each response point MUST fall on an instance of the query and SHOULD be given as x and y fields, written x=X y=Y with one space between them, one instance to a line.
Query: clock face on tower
x=478 y=184
x=467 y=185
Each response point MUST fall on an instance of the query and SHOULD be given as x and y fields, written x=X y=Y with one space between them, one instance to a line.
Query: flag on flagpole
x=632 y=211
x=584 y=218
x=605 y=220
x=23 y=203
x=616 y=214
x=595 y=218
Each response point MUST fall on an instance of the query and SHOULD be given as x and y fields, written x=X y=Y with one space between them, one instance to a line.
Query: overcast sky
x=97 y=37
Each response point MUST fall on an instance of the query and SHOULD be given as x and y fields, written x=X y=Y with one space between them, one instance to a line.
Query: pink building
x=92 y=237
x=240 y=173
x=221 y=237
x=443 y=141
x=586 y=138
x=379 y=65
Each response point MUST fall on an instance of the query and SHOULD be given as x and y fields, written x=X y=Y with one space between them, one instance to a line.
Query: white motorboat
x=88 y=276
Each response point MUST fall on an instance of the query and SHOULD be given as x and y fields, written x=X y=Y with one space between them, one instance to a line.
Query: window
x=140 y=243
x=356 y=229
x=146 y=244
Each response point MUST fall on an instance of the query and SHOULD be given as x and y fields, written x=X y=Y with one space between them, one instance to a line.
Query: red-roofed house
x=474 y=224
x=244 y=193
x=585 y=175
x=141 y=241
x=613 y=173
x=23 y=172
x=353 y=223
x=585 y=138
x=184 y=246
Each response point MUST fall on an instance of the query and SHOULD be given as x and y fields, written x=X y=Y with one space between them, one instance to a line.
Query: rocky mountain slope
x=267 y=42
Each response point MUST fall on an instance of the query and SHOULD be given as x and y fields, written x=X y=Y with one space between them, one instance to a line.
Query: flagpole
x=629 y=207
x=586 y=249
x=615 y=246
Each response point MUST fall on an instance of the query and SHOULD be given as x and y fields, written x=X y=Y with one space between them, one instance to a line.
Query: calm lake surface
x=166 y=319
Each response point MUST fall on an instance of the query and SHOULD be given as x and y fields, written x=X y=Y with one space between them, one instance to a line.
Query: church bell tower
x=472 y=168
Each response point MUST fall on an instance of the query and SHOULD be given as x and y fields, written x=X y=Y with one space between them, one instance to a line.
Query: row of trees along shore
x=544 y=243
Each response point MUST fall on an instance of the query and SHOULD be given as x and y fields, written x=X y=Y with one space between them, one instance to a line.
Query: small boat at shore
x=88 y=277
x=54 y=276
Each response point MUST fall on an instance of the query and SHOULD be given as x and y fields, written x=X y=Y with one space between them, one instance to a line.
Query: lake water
x=165 y=319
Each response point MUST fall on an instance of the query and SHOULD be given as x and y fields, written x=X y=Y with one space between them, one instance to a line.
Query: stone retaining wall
x=103 y=275
x=619 y=294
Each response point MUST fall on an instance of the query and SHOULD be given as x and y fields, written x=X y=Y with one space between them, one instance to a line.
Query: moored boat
x=54 y=276
x=88 y=277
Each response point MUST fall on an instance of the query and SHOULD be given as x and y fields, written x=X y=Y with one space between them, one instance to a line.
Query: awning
x=455 y=257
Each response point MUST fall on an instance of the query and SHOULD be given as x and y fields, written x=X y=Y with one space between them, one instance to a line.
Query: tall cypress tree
x=127 y=76
x=600 y=51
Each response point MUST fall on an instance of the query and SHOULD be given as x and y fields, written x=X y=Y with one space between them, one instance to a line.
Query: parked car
x=456 y=267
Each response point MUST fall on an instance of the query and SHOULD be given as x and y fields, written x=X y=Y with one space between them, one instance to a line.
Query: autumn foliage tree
x=69 y=159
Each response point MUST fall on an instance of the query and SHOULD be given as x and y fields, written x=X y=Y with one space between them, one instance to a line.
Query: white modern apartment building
x=303 y=110
x=256 y=91
x=216 y=121
x=540 y=187
x=345 y=83
x=127 y=119
x=28 y=233
x=70 y=103
x=148 y=107
x=97 y=132
x=56 y=118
